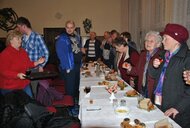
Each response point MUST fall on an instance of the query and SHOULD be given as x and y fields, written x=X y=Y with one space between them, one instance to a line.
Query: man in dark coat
x=172 y=95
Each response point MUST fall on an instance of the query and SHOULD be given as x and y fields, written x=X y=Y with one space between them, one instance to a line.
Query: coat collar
x=181 y=53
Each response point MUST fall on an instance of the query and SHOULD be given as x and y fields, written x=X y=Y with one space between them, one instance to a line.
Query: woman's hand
x=21 y=76
x=186 y=76
x=127 y=66
x=156 y=62
x=40 y=61
x=170 y=112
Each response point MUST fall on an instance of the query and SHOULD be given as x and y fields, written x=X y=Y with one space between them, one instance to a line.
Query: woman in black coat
x=172 y=95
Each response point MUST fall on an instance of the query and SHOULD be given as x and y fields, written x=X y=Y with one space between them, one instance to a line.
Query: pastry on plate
x=131 y=93
x=146 y=104
x=164 y=123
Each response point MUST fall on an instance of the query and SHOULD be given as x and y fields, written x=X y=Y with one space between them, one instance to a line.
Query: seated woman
x=126 y=54
x=152 y=47
x=14 y=62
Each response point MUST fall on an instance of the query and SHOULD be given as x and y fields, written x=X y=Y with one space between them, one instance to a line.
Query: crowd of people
x=161 y=71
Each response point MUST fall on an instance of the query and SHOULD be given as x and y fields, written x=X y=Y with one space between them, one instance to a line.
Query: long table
x=101 y=114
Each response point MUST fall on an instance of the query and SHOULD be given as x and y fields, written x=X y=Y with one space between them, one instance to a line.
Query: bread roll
x=146 y=104
x=164 y=123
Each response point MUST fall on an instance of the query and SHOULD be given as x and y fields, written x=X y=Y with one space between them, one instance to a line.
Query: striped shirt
x=91 y=49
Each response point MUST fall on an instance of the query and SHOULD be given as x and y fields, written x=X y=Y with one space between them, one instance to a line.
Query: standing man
x=68 y=48
x=34 y=45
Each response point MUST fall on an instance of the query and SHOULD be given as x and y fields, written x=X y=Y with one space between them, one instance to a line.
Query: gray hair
x=156 y=34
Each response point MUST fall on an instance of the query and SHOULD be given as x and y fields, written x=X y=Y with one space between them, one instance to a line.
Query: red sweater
x=12 y=62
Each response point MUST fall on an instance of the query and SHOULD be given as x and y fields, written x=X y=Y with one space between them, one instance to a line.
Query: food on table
x=164 y=123
x=85 y=68
x=131 y=93
x=127 y=119
x=87 y=73
x=126 y=124
x=111 y=77
x=121 y=84
x=146 y=104
x=104 y=83
x=137 y=121
x=121 y=110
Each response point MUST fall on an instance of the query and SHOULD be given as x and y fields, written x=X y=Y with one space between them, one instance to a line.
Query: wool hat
x=176 y=31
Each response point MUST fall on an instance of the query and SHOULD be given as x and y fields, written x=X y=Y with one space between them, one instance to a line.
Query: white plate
x=122 y=110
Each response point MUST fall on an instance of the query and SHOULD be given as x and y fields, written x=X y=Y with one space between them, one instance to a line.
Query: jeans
x=27 y=90
x=72 y=81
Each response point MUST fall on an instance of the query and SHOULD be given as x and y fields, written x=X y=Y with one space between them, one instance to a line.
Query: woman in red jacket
x=14 y=62
x=126 y=54
x=152 y=48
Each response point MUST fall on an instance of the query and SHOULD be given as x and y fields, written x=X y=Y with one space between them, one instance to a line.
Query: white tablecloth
x=105 y=117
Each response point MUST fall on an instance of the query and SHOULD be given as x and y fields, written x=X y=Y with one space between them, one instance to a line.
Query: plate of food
x=104 y=83
x=87 y=73
x=163 y=123
x=146 y=104
x=131 y=93
x=122 y=111
x=121 y=84
x=127 y=123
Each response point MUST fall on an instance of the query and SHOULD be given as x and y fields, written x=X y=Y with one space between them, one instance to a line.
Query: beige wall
x=105 y=14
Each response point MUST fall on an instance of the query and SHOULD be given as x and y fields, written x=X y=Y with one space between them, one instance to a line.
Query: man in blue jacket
x=68 y=48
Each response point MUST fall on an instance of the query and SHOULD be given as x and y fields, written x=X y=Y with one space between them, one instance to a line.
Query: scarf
x=158 y=91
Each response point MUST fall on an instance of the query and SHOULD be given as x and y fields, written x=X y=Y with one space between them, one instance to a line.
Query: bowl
x=122 y=111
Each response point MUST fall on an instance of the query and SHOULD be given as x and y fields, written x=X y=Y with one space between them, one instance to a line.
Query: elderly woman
x=126 y=54
x=14 y=62
x=152 y=48
x=172 y=95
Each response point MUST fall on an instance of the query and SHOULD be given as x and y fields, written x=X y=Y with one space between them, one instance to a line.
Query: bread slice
x=164 y=123
x=146 y=104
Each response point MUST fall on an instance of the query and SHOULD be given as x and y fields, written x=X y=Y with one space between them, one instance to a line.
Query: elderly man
x=172 y=95
x=92 y=48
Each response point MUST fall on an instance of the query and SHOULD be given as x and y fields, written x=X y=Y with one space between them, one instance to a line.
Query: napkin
x=87 y=95
x=93 y=108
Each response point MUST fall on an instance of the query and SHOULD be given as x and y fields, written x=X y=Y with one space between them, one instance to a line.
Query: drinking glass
x=87 y=89
x=139 y=98
x=123 y=102
x=115 y=103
